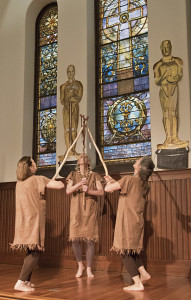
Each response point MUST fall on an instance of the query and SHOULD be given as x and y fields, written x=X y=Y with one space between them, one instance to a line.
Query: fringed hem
x=82 y=239
x=126 y=251
x=25 y=247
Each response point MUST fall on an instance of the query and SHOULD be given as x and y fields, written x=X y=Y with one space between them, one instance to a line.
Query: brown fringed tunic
x=83 y=220
x=129 y=228
x=30 y=214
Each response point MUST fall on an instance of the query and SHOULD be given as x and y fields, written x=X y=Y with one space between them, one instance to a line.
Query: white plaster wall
x=12 y=35
x=17 y=33
x=167 y=21
x=76 y=47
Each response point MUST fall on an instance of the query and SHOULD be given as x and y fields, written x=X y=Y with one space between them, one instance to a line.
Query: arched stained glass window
x=123 y=81
x=44 y=148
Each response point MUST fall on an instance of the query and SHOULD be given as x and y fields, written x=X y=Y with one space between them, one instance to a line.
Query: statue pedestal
x=172 y=158
x=69 y=166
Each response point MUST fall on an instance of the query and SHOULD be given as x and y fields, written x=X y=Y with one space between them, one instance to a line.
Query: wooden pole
x=60 y=167
x=100 y=156
x=83 y=124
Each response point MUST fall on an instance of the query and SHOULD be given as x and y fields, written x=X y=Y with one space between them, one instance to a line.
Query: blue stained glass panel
x=47 y=159
x=47 y=125
x=46 y=87
x=109 y=63
x=47 y=102
x=125 y=54
x=48 y=56
x=110 y=89
x=133 y=150
x=123 y=116
x=140 y=55
x=141 y=83
x=144 y=11
x=45 y=147
x=135 y=14
x=124 y=102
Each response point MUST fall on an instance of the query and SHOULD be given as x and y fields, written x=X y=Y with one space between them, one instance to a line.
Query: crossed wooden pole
x=83 y=129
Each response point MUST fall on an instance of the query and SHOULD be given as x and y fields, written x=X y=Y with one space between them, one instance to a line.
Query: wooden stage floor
x=56 y=284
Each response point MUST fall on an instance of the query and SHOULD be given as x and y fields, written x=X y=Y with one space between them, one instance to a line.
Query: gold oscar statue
x=167 y=73
x=70 y=95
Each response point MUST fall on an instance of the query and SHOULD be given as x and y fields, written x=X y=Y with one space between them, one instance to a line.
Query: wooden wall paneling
x=7 y=216
x=154 y=247
x=173 y=201
x=167 y=226
x=173 y=236
x=163 y=217
x=7 y=223
x=158 y=228
x=188 y=217
x=182 y=221
x=149 y=216
x=57 y=223
x=177 y=207
x=179 y=227
x=168 y=221
x=147 y=228
x=106 y=226
x=66 y=225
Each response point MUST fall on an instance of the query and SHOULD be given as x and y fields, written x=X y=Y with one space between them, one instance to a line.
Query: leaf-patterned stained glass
x=46 y=87
x=48 y=70
x=123 y=80
x=48 y=26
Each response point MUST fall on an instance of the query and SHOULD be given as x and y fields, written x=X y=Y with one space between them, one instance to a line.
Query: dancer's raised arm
x=54 y=184
x=112 y=184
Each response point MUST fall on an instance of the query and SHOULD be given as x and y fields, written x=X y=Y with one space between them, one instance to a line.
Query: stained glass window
x=123 y=81
x=46 y=87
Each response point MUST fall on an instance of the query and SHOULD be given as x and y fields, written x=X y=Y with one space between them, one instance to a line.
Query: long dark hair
x=147 y=167
x=23 y=168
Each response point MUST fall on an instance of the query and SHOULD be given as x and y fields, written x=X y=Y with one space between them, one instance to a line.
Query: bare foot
x=145 y=277
x=89 y=272
x=28 y=283
x=21 y=286
x=134 y=287
x=80 y=271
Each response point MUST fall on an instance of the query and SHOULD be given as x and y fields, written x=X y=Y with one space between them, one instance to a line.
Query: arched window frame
x=43 y=168
x=99 y=106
